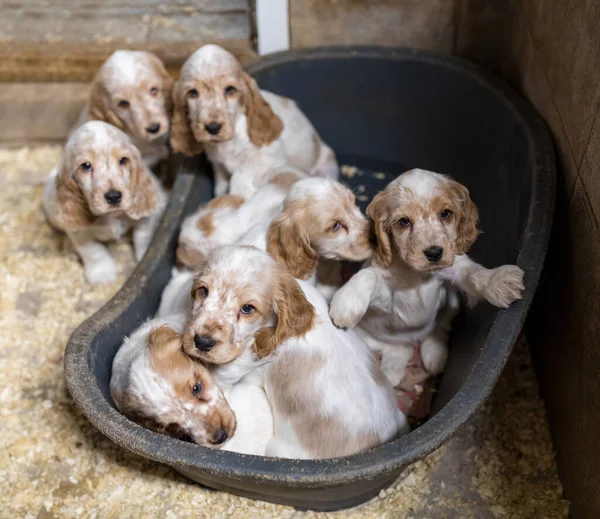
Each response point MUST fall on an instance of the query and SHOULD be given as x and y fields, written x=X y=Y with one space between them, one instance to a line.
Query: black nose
x=153 y=128
x=204 y=342
x=113 y=197
x=213 y=128
x=434 y=254
x=221 y=437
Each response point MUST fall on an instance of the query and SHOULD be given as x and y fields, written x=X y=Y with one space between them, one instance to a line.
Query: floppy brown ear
x=74 y=210
x=467 y=217
x=182 y=137
x=188 y=256
x=288 y=244
x=143 y=187
x=378 y=213
x=295 y=316
x=166 y=79
x=264 y=126
x=100 y=105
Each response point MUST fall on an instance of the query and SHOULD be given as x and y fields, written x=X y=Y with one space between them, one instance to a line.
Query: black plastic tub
x=385 y=111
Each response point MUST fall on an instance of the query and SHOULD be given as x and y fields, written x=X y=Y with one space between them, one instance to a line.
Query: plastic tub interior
x=384 y=111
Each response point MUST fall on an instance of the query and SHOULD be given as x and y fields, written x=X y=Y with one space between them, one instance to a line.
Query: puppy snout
x=434 y=254
x=153 y=128
x=213 y=128
x=113 y=197
x=220 y=437
x=204 y=342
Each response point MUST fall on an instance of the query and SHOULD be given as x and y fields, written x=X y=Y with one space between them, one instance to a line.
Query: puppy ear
x=295 y=316
x=100 y=105
x=182 y=137
x=288 y=244
x=467 y=217
x=264 y=126
x=163 y=338
x=187 y=256
x=74 y=210
x=378 y=212
x=144 y=188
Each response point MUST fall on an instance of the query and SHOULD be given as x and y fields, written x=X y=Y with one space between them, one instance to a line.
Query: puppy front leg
x=221 y=178
x=143 y=232
x=98 y=263
x=242 y=184
x=500 y=286
x=351 y=302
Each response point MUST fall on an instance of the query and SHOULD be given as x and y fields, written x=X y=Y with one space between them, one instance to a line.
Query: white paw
x=347 y=310
x=393 y=371
x=101 y=273
x=434 y=354
x=500 y=286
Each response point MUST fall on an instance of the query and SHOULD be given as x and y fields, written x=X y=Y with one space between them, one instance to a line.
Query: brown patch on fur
x=206 y=223
x=467 y=216
x=74 y=210
x=288 y=243
x=295 y=315
x=285 y=180
x=264 y=126
x=144 y=188
x=182 y=137
x=189 y=257
x=232 y=201
x=378 y=213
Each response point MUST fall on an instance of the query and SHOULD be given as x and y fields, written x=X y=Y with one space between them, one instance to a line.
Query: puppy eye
x=192 y=93
x=123 y=104
x=123 y=161
x=204 y=292
x=404 y=222
x=197 y=389
x=337 y=226
x=154 y=91
x=85 y=166
x=445 y=214
x=230 y=90
x=247 y=309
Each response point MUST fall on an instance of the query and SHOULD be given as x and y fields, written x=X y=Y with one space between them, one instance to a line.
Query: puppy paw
x=101 y=273
x=434 y=354
x=346 y=310
x=500 y=286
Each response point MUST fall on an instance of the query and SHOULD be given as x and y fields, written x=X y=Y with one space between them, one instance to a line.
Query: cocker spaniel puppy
x=328 y=395
x=133 y=91
x=425 y=223
x=101 y=190
x=246 y=132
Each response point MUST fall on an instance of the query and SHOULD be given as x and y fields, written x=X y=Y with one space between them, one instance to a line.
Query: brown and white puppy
x=156 y=385
x=133 y=91
x=328 y=395
x=101 y=190
x=246 y=132
x=425 y=223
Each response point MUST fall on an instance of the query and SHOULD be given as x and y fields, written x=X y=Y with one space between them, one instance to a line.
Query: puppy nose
x=434 y=254
x=213 y=128
x=113 y=197
x=221 y=437
x=204 y=342
x=153 y=128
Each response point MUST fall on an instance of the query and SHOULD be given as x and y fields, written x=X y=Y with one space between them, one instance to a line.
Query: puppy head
x=425 y=218
x=319 y=218
x=133 y=91
x=101 y=172
x=171 y=394
x=211 y=94
x=243 y=300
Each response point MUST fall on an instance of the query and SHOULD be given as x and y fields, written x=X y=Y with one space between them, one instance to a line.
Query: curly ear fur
x=377 y=211
x=182 y=137
x=145 y=189
x=74 y=210
x=100 y=108
x=295 y=316
x=288 y=244
x=264 y=126
x=467 y=216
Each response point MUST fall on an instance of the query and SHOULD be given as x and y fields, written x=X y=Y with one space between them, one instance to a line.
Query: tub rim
x=386 y=459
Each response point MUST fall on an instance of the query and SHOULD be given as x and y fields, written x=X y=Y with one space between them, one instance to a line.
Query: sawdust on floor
x=53 y=463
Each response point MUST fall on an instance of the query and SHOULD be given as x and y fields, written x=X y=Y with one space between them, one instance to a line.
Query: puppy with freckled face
x=101 y=190
x=407 y=293
x=246 y=132
x=133 y=91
